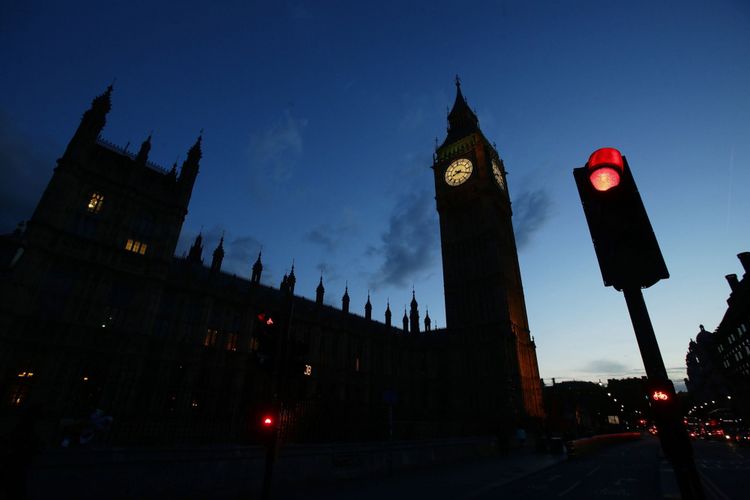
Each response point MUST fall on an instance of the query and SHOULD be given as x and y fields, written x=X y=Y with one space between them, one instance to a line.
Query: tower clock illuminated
x=458 y=172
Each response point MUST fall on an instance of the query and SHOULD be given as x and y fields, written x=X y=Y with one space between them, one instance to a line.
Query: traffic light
x=625 y=244
x=267 y=338
x=665 y=411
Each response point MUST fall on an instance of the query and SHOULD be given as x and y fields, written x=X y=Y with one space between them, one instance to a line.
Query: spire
x=368 y=307
x=195 y=255
x=319 y=292
x=405 y=321
x=92 y=123
x=291 y=280
x=388 y=313
x=345 y=299
x=427 y=321
x=189 y=170
x=461 y=120
x=257 y=270
x=414 y=314
x=173 y=171
x=142 y=157
x=218 y=256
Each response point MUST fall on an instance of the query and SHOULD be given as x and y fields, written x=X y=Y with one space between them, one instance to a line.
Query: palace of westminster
x=97 y=312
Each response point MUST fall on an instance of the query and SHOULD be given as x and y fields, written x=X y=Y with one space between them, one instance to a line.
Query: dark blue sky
x=320 y=120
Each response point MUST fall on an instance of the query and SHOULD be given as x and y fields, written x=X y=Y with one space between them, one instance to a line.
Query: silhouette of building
x=718 y=363
x=98 y=312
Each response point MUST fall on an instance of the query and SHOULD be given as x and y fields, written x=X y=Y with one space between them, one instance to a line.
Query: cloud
x=331 y=236
x=531 y=210
x=605 y=367
x=409 y=244
x=275 y=150
x=25 y=168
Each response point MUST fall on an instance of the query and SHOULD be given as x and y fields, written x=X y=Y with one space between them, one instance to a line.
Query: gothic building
x=718 y=363
x=96 y=311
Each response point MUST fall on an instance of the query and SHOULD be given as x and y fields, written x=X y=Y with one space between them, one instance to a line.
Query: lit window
x=356 y=364
x=253 y=344
x=308 y=370
x=210 y=339
x=95 y=203
x=136 y=247
x=232 y=342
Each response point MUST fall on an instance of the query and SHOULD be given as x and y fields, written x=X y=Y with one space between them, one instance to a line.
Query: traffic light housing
x=665 y=411
x=267 y=337
x=625 y=244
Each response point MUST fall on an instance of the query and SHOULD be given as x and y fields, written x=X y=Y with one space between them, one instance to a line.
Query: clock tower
x=483 y=292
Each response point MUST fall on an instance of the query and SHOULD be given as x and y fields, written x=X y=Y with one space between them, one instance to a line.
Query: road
x=630 y=470
x=724 y=469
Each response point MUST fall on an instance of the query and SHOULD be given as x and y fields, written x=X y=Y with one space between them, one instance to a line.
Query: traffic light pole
x=278 y=392
x=672 y=434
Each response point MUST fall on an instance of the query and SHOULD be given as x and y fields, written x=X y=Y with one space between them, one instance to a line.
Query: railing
x=120 y=150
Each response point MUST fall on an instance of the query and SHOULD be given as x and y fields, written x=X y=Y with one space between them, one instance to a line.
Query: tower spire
x=388 y=313
x=218 y=256
x=368 y=307
x=92 y=124
x=345 y=299
x=462 y=121
x=189 y=170
x=257 y=270
x=142 y=156
x=414 y=313
x=291 y=280
x=319 y=292
x=195 y=255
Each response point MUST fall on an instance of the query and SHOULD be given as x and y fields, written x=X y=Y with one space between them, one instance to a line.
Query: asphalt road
x=629 y=470
x=724 y=468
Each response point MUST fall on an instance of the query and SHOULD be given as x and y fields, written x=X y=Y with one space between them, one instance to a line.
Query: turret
x=345 y=300
x=414 y=314
x=142 y=157
x=319 y=292
x=368 y=307
x=405 y=322
x=195 y=254
x=92 y=124
x=218 y=256
x=388 y=314
x=189 y=170
x=291 y=281
x=257 y=270
x=427 y=321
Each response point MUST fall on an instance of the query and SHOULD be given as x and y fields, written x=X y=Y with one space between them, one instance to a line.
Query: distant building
x=718 y=364
x=97 y=312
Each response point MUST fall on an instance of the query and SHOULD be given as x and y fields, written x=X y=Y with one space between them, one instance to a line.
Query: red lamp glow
x=267 y=421
x=605 y=167
x=660 y=396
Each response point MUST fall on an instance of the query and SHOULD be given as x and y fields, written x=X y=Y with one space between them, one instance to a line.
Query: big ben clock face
x=458 y=172
x=498 y=174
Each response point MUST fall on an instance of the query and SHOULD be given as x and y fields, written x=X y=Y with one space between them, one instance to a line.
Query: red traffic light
x=605 y=167
x=660 y=396
x=265 y=319
x=267 y=421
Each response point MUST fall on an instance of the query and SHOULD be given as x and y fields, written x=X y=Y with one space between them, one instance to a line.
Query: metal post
x=672 y=434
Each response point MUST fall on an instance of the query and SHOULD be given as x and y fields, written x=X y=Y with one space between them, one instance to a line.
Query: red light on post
x=660 y=396
x=605 y=167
